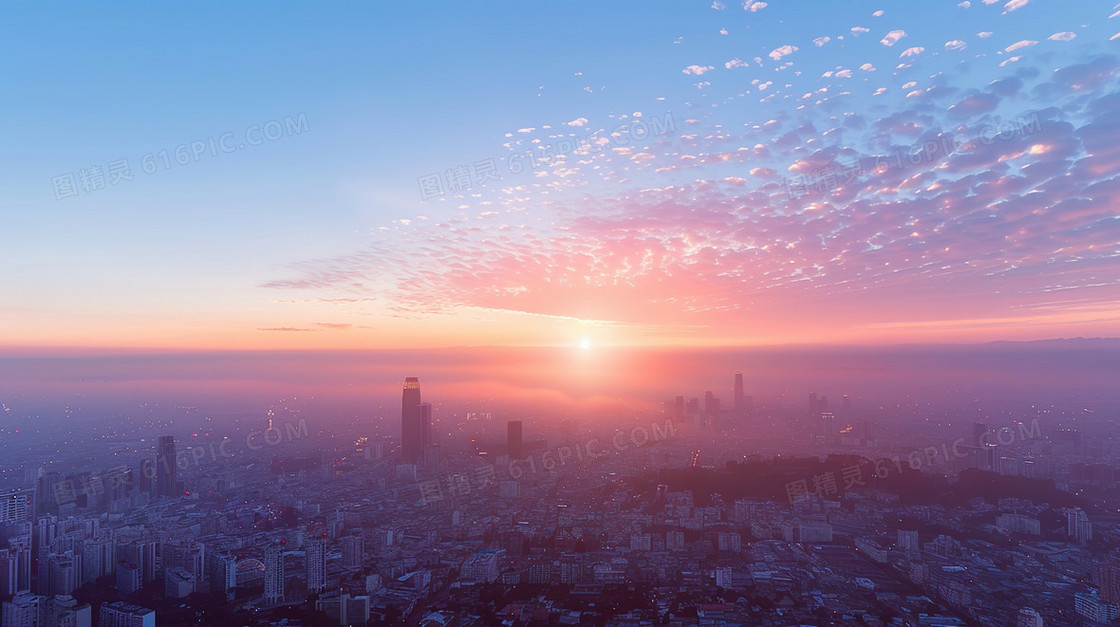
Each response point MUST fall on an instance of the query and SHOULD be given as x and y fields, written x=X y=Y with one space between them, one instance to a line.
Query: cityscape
x=688 y=313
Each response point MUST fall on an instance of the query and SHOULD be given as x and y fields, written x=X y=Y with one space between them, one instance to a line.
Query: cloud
x=955 y=44
x=283 y=329
x=1014 y=4
x=1062 y=36
x=821 y=41
x=892 y=37
x=1020 y=44
x=753 y=5
x=867 y=67
x=577 y=122
x=952 y=200
x=974 y=104
x=856 y=30
x=964 y=5
x=736 y=62
x=781 y=51
x=911 y=52
x=984 y=34
x=718 y=6
x=697 y=69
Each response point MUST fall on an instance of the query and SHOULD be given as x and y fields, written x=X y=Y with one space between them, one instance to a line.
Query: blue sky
x=231 y=246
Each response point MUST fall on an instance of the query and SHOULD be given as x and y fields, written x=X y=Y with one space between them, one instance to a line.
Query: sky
x=372 y=176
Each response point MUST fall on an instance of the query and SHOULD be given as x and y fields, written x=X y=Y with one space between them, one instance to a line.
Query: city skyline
x=687 y=312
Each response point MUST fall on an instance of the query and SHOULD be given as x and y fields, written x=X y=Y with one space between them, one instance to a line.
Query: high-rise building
x=1092 y=607
x=147 y=474
x=692 y=408
x=273 y=575
x=908 y=542
x=223 y=572
x=828 y=426
x=711 y=406
x=9 y=572
x=24 y=610
x=412 y=422
x=129 y=577
x=143 y=554
x=740 y=403
x=121 y=614
x=45 y=486
x=346 y=609
x=98 y=558
x=63 y=573
x=1106 y=577
x=315 y=558
x=353 y=551
x=166 y=467
x=16 y=505
x=188 y=556
x=1078 y=526
x=429 y=450
x=178 y=583
x=65 y=610
x=41 y=538
x=514 y=444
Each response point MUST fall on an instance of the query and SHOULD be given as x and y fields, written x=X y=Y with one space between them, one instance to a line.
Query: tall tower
x=740 y=406
x=273 y=575
x=513 y=439
x=426 y=425
x=412 y=424
x=829 y=427
x=166 y=468
x=316 y=558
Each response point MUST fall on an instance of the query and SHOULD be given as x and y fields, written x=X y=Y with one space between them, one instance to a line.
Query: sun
x=585 y=343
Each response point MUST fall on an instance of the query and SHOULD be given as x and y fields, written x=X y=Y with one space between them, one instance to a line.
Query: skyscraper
x=513 y=439
x=426 y=425
x=316 y=561
x=147 y=474
x=740 y=405
x=711 y=407
x=828 y=427
x=16 y=505
x=273 y=575
x=412 y=422
x=166 y=469
x=353 y=552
